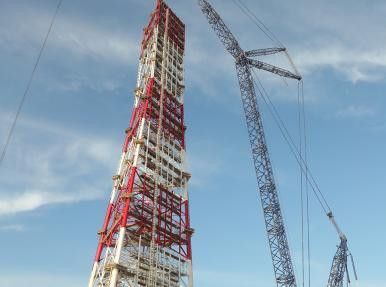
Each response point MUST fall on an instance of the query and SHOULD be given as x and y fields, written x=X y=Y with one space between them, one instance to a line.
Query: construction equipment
x=281 y=258
x=146 y=235
x=339 y=264
x=282 y=263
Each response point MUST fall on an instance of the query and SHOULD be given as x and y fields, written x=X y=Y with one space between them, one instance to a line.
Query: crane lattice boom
x=339 y=266
x=264 y=52
x=281 y=258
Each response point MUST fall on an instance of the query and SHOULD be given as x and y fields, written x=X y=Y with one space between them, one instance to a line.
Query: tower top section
x=175 y=27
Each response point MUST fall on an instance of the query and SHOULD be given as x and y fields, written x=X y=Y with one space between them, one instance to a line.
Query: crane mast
x=277 y=238
x=339 y=265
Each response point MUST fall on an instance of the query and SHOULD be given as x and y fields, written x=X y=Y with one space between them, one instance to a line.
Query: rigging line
x=256 y=21
x=291 y=62
x=307 y=191
x=301 y=100
x=293 y=150
x=287 y=137
x=294 y=146
x=21 y=104
x=301 y=182
x=299 y=157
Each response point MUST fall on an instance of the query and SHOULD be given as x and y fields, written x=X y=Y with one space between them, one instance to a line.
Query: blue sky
x=56 y=178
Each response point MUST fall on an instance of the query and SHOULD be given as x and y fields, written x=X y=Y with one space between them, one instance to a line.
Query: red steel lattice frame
x=137 y=191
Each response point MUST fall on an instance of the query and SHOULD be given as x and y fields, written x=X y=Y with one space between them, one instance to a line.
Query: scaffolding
x=146 y=235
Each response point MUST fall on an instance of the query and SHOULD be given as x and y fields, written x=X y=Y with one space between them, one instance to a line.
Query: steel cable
x=307 y=192
x=21 y=104
x=259 y=24
x=290 y=142
x=301 y=179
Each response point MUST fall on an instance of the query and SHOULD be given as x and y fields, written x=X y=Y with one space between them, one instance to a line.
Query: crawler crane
x=277 y=239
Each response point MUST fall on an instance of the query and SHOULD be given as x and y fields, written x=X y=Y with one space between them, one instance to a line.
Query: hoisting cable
x=292 y=64
x=353 y=265
x=301 y=179
x=300 y=153
x=259 y=24
x=243 y=7
x=302 y=134
x=301 y=160
x=27 y=88
x=306 y=183
x=290 y=142
x=303 y=144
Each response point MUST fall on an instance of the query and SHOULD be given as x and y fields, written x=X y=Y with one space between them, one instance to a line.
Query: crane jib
x=280 y=253
x=277 y=239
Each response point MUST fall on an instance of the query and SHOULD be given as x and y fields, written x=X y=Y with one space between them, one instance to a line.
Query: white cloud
x=62 y=167
x=84 y=54
x=88 y=40
x=203 y=167
x=74 y=35
x=31 y=200
x=355 y=64
x=12 y=227
x=204 y=161
x=379 y=127
x=355 y=51
x=356 y=111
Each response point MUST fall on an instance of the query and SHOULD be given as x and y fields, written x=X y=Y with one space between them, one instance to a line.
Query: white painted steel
x=93 y=273
x=137 y=156
x=114 y=275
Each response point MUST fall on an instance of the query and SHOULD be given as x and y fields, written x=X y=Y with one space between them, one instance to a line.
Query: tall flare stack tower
x=145 y=239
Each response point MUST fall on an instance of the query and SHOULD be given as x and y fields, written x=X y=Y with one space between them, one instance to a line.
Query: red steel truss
x=145 y=239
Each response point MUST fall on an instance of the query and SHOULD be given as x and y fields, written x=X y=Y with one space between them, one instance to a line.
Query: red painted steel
x=132 y=203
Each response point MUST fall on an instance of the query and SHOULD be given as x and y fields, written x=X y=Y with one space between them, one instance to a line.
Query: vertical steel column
x=143 y=241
